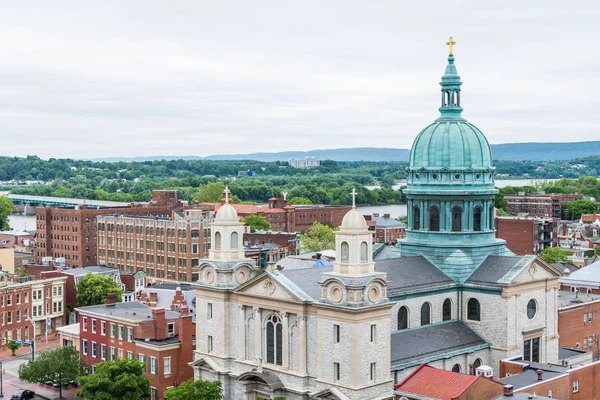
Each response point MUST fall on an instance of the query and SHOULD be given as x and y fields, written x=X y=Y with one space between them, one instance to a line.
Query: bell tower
x=227 y=234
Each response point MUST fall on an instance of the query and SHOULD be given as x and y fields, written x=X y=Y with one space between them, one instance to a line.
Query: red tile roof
x=246 y=209
x=437 y=383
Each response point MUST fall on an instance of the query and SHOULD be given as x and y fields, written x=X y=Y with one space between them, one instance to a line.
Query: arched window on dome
x=274 y=340
x=447 y=310
x=416 y=218
x=477 y=219
x=434 y=219
x=473 y=310
x=446 y=98
x=364 y=252
x=426 y=314
x=491 y=226
x=402 y=318
x=456 y=219
x=234 y=241
x=217 y=240
x=345 y=252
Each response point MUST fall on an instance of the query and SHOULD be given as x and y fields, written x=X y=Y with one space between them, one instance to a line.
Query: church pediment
x=535 y=270
x=269 y=286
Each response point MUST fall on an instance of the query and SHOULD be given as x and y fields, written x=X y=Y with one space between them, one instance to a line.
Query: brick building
x=290 y=240
x=162 y=339
x=285 y=217
x=20 y=241
x=540 y=205
x=527 y=235
x=34 y=301
x=387 y=230
x=69 y=233
x=165 y=248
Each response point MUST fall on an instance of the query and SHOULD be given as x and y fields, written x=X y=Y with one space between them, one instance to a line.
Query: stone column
x=448 y=226
x=257 y=335
x=286 y=340
x=424 y=216
x=485 y=216
x=242 y=333
x=409 y=214
x=303 y=344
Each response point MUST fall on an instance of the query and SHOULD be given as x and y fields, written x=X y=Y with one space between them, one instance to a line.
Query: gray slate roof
x=98 y=269
x=410 y=274
x=492 y=270
x=307 y=280
x=529 y=376
x=382 y=222
x=431 y=342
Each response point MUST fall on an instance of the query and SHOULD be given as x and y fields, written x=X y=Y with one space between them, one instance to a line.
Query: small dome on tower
x=227 y=213
x=354 y=220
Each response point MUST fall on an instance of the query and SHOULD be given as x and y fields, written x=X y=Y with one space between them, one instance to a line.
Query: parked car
x=22 y=395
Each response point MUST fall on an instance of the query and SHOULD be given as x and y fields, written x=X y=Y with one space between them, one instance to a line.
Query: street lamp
x=33 y=340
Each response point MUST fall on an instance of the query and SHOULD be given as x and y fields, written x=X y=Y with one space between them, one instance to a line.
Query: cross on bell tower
x=450 y=44
x=227 y=191
x=353 y=193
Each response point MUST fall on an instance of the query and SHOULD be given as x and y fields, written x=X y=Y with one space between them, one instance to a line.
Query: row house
x=162 y=339
x=32 y=306
x=164 y=248
x=387 y=230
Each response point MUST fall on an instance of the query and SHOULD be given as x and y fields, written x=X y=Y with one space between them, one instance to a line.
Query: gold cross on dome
x=353 y=193
x=450 y=44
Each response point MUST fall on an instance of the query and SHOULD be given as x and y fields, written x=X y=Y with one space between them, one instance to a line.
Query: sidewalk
x=53 y=342
x=12 y=383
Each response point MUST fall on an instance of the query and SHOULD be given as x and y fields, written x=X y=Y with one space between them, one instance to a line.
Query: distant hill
x=507 y=151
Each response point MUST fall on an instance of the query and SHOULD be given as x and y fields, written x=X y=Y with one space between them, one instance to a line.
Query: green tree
x=6 y=209
x=575 y=209
x=299 y=200
x=195 y=390
x=59 y=366
x=210 y=193
x=256 y=222
x=92 y=290
x=318 y=237
x=14 y=346
x=552 y=255
x=499 y=201
x=121 y=379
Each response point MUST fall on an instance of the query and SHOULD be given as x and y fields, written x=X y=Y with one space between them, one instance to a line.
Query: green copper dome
x=450 y=142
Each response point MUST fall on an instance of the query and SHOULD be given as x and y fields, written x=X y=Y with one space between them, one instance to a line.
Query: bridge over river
x=62 y=202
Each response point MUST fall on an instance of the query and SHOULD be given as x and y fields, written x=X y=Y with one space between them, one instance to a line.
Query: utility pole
x=1 y=378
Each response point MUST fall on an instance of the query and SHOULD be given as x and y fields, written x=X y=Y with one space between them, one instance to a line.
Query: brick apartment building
x=70 y=232
x=162 y=339
x=285 y=217
x=527 y=235
x=165 y=248
x=540 y=205
x=387 y=230
x=41 y=301
x=290 y=240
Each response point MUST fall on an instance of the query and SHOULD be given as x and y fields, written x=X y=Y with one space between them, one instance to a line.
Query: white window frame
x=575 y=386
x=84 y=347
x=167 y=366
x=153 y=365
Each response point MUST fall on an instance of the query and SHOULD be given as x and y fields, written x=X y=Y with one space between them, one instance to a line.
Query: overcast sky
x=138 y=78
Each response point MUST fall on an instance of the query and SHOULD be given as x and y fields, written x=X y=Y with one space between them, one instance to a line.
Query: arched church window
x=345 y=252
x=476 y=364
x=456 y=219
x=234 y=241
x=416 y=218
x=447 y=310
x=402 y=318
x=456 y=368
x=364 y=252
x=434 y=219
x=473 y=310
x=477 y=219
x=274 y=338
x=425 y=314
x=217 y=240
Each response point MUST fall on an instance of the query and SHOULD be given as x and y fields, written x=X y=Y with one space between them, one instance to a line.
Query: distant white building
x=306 y=162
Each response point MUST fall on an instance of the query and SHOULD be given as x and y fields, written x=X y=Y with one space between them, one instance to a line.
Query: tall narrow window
x=416 y=218
x=218 y=241
x=403 y=318
x=274 y=340
x=473 y=310
x=456 y=219
x=447 y=310
x=364 y=252
x=491 y=225
x=434 y=219
x=234 y=241
x=477 y=219
x=345 y=252
x=425 y=314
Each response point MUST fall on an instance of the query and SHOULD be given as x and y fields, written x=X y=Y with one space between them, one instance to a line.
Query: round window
x=457 y=176
x=434 y=176
x=531 y=309
x=477 y=176
x=417 y=176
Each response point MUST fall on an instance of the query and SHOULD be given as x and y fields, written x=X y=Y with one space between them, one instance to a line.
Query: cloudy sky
x=138 y=78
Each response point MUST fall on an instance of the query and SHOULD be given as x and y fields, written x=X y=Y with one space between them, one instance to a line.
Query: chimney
x=160 y=324
x=386 y=215
x=153 y=299
x=186 y=330
x=508 y=390
x=539 y=373
x=184 y=310
x=111 y=299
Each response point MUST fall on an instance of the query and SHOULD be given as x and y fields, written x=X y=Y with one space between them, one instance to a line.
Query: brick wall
x=520 y=234
x=572 y=329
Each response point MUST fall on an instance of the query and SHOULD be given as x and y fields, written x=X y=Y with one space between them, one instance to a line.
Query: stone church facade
x=450 y=294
